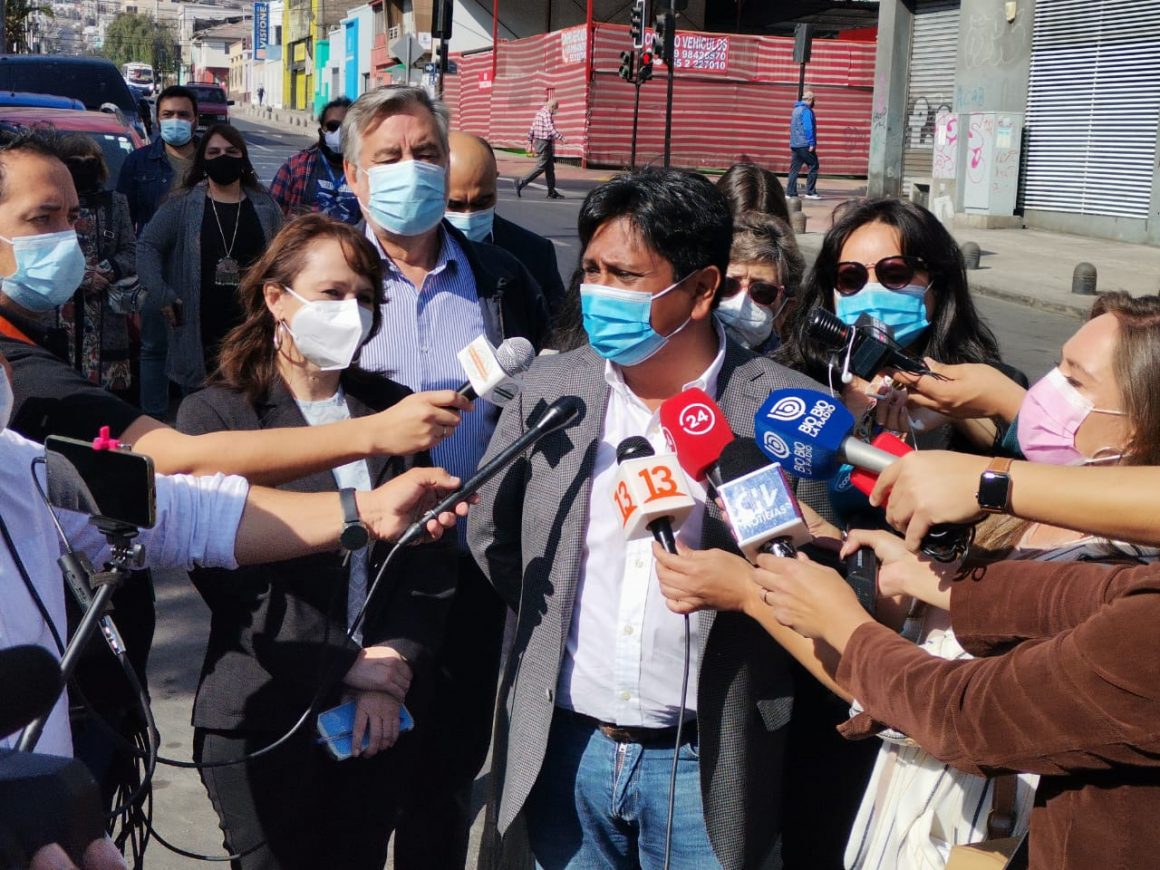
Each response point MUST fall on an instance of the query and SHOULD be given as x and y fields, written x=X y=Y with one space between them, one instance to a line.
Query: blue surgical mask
x=476 y=225
x=619 y=323
x=49 y=269
x=176 y=132
x=407 y=198
x=904 y=311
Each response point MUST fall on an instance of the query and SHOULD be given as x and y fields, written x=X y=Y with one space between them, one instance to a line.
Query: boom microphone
x=762 y=509
x=697 y=431
x=556 y=416
x=650 y=492
x=493 y=373
x=30 y=684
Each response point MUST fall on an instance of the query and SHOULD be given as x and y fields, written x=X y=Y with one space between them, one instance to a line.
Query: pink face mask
x=1051 y=413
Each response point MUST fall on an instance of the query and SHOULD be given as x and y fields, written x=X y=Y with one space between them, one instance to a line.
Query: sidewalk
x=1026 y=266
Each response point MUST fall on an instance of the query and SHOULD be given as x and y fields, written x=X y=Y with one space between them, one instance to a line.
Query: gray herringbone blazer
x=528 y=534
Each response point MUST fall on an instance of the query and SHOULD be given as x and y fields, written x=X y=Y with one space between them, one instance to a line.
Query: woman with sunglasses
x=892 y=260
x=765 y=272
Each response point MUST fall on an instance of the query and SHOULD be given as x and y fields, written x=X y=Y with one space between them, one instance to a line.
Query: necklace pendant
x=227 y=273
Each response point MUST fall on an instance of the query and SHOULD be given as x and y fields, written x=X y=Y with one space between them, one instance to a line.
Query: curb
x=810 y=244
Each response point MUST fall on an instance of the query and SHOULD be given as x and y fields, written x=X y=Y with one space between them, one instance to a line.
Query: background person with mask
x=471 y=205
x=309 y=304
x=194 y=252
x=147 y=177
x=312 y=179
x=444 y=292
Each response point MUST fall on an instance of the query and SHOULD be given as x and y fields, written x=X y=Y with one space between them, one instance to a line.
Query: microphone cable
x=677 y=748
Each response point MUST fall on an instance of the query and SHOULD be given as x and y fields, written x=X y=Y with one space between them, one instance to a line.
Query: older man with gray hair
x=444 y=291
x=542 y=137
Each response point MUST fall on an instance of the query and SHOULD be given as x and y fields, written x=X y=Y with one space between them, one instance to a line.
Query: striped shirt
x=543 y=127
x=423 y=330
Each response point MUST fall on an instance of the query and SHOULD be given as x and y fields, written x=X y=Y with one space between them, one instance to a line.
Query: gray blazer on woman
x=528 y=535
x=169 y=266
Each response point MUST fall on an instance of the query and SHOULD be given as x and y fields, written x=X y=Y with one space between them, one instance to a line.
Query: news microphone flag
x=759 y=502
x=493 y=373
x=697 y=431
x=648 y=487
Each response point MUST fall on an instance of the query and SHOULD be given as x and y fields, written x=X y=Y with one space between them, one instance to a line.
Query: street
x=1030 y=339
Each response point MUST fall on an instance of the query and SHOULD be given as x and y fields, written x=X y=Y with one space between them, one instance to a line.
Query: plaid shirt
x=289 y=187
x=543 y=128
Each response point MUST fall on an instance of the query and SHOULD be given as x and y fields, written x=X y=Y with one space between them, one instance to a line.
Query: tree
x=132 y=37
x=18 y=15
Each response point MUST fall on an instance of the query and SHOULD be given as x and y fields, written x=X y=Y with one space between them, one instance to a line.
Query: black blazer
x=536 y=253
x=278 y=630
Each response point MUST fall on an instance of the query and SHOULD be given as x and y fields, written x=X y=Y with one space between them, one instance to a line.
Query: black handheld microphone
x=872 y=349
x=661 y=523
x=30 y=682
x=763 y=510
x=556 y=416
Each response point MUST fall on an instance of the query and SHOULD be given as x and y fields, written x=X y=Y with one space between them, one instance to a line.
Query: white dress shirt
x=197 y=522
x=625 y=650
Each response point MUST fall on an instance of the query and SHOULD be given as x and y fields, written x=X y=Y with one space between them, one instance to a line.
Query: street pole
x=801 y=80
x=671 y=62
x=635 y=123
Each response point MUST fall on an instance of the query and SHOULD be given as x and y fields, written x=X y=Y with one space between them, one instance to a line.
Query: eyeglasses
x=762 y=292
x=331 y=126
x=893 y=273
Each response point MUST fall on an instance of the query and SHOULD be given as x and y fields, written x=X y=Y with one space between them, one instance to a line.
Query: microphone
x=762 y=508
x=871 y=345
x=30 y=681
x=697 y=431
x=813 y=432
x=556 y=416
x=650 y=492
x=493 y=373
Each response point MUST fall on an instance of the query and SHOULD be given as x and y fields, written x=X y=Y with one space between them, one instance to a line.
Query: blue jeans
x=602 y=805
x=154 y=356
x=810 y=159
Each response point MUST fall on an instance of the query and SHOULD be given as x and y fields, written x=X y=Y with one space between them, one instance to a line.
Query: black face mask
x=86 y=174
x=225 y=169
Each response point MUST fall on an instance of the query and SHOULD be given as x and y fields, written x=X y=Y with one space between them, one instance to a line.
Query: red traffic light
x=646 y=58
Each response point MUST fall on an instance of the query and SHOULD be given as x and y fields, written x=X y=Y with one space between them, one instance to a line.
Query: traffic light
x=646 y=70
x=441 y=57
x=664 y=37
x=627 y=62
x=637 y=28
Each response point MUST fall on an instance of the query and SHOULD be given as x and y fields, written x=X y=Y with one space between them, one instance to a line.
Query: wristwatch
x=354 y=535
x=994 y=495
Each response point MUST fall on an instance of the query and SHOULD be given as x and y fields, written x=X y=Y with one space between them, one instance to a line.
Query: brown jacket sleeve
x=1085 y=699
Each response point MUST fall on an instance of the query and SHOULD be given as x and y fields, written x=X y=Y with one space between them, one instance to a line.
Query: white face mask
x=333 y=140
x=745 y=320
x=327 y=332
x=7 y=400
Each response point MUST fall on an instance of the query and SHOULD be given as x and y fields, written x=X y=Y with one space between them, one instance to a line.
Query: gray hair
x=763 y=238
x=373 y=106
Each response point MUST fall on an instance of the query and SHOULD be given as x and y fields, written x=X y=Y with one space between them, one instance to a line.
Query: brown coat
x=1067 y=685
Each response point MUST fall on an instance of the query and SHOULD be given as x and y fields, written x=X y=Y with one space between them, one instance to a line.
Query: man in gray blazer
x=591 y=695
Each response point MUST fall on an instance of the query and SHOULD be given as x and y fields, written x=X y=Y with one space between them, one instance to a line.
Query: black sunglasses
x=893 y=273
x=762 y=292
x=331 y=126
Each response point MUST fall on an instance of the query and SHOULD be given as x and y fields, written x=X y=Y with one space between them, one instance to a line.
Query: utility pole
x=638 y=65
x=442 y=32
x=664 y=47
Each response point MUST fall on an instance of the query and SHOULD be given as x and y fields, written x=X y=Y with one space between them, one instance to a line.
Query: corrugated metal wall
x=930 y=85
x=732 y=99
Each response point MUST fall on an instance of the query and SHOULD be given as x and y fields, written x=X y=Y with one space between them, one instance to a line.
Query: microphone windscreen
x=697 y=430
x=515 y=355
x=740 y=456
x=30 y=683
x=633 y=447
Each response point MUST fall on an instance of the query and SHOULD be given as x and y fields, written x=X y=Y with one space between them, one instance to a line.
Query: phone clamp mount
x=93 y=591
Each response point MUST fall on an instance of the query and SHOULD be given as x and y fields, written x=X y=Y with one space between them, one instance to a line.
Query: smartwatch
x=994 y=495
x=354 y=531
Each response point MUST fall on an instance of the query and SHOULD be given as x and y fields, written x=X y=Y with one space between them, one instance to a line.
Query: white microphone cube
x=486 y=376
x=762 y=507
x=648 y=488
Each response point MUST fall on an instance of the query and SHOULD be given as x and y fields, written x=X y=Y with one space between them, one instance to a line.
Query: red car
x=111 y=132
x=212 y=105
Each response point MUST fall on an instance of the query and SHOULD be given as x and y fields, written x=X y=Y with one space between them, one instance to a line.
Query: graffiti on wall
x=946 y=145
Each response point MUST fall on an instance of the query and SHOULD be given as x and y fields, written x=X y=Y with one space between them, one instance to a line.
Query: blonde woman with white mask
x=280 y=632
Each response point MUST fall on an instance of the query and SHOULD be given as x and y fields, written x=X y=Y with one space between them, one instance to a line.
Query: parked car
x=94 y=81
x=43 y=101
x=212 y=105
x=111 y=132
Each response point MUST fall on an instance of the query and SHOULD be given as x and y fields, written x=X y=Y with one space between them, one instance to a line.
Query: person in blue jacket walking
x=803 y=142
